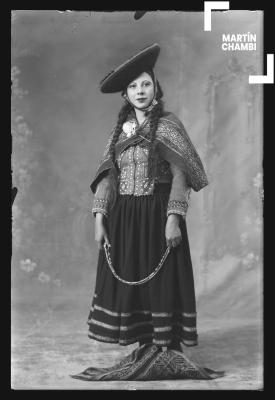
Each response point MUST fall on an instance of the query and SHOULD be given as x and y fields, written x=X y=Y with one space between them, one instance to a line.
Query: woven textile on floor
x=150 y=363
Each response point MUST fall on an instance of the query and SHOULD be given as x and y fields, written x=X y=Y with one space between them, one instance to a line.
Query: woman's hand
x=172 y=230
x=101 y=235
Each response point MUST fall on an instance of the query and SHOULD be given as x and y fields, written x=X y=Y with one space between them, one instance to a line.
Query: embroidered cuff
x=177 y=207
x=100 y=205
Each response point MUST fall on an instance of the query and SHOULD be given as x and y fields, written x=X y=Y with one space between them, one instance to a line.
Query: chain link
x=148 y=278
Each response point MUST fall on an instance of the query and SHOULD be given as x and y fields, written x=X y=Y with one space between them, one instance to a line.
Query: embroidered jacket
x=178 y=164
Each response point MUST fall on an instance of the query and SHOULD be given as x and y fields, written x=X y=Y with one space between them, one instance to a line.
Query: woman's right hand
x=101 y=235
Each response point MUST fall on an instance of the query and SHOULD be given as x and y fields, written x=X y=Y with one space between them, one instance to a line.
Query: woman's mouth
x=142 y=99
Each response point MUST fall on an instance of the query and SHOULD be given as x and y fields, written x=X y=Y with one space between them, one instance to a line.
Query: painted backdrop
x=60 y=124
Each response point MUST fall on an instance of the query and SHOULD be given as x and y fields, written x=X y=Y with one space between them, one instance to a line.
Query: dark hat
x=139 y=14
x=118 y=79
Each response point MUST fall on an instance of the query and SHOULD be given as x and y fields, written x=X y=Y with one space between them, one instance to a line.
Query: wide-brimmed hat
x=118 y=79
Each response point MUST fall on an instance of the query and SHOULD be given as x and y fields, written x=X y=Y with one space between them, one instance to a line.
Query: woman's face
x=140 y=91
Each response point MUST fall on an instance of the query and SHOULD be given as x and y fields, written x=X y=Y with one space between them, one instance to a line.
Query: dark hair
x=159 y=92
x=154 y=116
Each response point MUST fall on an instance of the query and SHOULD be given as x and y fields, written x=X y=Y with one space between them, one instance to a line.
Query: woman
x=142 y=189
x=144 y=288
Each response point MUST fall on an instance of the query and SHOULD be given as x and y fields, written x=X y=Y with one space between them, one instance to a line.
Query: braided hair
x=154 y=117
x=122 y=116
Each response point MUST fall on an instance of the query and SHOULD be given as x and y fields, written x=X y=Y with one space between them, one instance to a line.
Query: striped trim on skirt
x=163 y=309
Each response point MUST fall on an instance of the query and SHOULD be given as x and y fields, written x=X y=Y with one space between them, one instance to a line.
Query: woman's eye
x=132 y=86
x=147 y=84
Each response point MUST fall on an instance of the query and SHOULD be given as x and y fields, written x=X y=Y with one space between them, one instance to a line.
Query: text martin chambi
x=239 y=42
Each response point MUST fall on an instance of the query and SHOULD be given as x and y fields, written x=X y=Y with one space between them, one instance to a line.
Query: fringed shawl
x=173 y=145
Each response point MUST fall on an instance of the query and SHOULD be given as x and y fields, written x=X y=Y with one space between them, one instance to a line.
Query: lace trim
x=167 y=342
x=116 y=314
x=100 y=205
x=189 y=342
x=154 y=314
x=177 y=207
x=121 y=341
x=114 y=327
x=99 y=210
x=108 y=339
x=137 y=324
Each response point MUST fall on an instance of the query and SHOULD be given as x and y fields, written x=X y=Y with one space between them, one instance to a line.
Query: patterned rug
x=150 y=363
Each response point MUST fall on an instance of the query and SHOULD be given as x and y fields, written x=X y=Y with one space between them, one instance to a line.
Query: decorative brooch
x=129 y=128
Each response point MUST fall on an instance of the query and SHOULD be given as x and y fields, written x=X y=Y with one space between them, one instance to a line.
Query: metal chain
x=108 y=257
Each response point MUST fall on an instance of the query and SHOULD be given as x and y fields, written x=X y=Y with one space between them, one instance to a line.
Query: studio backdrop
x=61 y=122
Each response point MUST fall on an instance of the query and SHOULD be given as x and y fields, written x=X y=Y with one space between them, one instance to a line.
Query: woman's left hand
x=172 y=230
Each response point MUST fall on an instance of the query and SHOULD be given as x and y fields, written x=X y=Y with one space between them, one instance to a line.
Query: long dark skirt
x=162 y=310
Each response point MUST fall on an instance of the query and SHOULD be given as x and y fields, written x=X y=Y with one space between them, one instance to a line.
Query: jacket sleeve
x=102 y=196
x=180 y=192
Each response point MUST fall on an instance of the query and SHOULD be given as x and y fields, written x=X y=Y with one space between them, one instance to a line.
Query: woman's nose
x=140 y=91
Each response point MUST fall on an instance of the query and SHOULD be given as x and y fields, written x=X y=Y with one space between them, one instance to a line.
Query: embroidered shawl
x=173 y=145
